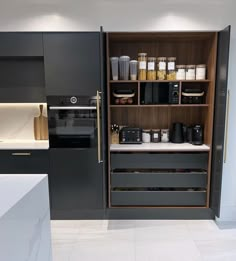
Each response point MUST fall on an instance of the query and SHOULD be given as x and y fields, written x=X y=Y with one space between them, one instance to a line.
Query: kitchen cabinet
x=24 y=162
x=72 y=63
x=76 y=184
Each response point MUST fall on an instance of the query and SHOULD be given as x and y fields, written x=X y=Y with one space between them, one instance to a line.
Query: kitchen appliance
x=195 y=134
x=160 y=93
x=130 y=135
x=177 y=133
x=192 y=96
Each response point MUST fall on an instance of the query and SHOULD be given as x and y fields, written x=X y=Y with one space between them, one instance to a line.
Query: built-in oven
x=73 y=121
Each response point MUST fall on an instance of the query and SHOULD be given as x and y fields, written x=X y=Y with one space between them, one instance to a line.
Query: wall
x=138 y=15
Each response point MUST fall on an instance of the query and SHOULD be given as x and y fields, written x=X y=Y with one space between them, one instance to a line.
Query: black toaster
x=130 y=135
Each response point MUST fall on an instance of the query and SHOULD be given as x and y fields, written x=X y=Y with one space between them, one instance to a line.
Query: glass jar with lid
x=180 y=72
x=190 y=72
x=146 y=136
x=142 y=66
x=171 y=74
x=201 y=72
x=161 y=68
x=151 y=68
x=156 y=135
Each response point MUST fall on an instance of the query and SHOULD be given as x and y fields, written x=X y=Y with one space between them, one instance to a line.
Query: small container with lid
x=165 y=135
x=133 y=64
x=190 y=72
x=171 y=74
x=151 y=73
x=142 y=66
x=180 y=72
x=161 y=68
x=156 y=135
x=124 y=67
x=201 y=72
x=146 y=136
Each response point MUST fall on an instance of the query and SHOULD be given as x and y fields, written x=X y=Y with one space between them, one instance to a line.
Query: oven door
x=72 y=126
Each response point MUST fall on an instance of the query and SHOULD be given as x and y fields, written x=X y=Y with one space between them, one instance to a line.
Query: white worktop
x=159 y=147
x=18 y=144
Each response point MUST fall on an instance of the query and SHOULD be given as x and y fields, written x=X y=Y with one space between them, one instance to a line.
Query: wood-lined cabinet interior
x=162 y=177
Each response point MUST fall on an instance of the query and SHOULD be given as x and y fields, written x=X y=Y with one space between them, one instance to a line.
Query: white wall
x=137 y=15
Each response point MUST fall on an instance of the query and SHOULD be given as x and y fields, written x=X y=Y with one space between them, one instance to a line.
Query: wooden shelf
x=159 y=105
x=138 y=81
x=159 y=147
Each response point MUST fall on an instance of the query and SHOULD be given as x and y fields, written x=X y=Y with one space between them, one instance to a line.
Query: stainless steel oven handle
x=72 y=108
x=99 y=127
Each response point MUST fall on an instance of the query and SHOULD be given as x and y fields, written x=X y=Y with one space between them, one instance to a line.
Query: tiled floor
x=142 y=240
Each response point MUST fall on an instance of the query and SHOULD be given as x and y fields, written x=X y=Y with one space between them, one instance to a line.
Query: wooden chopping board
x=41 y=126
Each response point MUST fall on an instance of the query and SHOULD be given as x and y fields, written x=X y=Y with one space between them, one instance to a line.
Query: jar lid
x=171 y=58
x=161 y=58
x=180 y=66
x=146 y=130
x=133 y=61
x=142 y=54
x=190 y=66
x=156 y=130
x=201 y=65
x=151 y=58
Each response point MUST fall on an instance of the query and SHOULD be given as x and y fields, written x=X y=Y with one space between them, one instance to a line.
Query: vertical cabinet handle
x=99 y=127
x=21 y=154
x=226 y=126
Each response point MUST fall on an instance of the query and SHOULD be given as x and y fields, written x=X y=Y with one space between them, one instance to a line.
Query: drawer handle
x=21 y=154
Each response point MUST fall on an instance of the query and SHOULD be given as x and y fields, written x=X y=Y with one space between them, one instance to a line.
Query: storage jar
x=156 y=135
x=146 y=136
x=201 y=72
x=171 y=74
x=133 y=64
x=142 y=66
x=151 y=68
x=190 y=72
x=165 y=135
x=180 y=72
x=161 y=68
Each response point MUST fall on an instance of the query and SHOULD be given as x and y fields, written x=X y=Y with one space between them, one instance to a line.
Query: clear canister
x=201 y=72
x=180 y=72
x=156 y=135
x=133 y=64
x=142 y=66
x=151 y=68
x=171 y=74
x=146 y=136
x=190 y=72
x=161 y=68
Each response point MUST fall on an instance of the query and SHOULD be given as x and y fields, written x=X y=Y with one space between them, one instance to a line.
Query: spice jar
x=180 y=72
x=161 y=68
x=156 y=135
x=171 y=74
x=151 y=73
x=201 y=72
x=190 y=72
x=146 y=136
x=142 y=66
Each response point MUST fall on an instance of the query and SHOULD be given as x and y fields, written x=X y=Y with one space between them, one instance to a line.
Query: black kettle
x=177 y=133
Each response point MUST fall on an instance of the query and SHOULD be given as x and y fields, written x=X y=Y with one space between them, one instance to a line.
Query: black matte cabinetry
x=24 y=162
x=72 y=63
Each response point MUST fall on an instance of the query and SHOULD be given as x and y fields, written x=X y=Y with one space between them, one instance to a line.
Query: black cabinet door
x=21 y=44
x=72 y=63
x=219 y=118
x=24 y=162
x=75 y=181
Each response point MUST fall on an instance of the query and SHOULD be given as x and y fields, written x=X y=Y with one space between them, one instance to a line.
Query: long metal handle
x=226 y=127
x=72 y=108
x=21 y=154
x=99 y=128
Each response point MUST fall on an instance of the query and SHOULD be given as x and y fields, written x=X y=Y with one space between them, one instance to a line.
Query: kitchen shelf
x=159 y=105
x=143 y=81
x=159 y=147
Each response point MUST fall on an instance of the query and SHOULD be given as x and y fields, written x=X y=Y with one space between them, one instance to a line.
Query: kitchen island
x=24 y=218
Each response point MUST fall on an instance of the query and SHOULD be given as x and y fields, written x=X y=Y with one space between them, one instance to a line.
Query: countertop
x=159 y=147
x=24 y=144
x=13 y=187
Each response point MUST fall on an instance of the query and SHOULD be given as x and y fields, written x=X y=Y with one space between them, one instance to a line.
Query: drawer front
x=161 y=180
x=24 y=162
x=158 y=198
x=159 y=160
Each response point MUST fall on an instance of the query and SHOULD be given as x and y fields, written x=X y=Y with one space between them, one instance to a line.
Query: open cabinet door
x=219 y=118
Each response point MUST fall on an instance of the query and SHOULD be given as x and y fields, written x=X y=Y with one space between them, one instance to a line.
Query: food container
x=133 y=65
x=142 y=66
x=201 y=72
x=171 y=74
x=165 y=134
x=190 y=72
x=146 y=136
x=161 y=68
x=151 y=71
x=114 y=67
x=124 y=67
x=123 y=97
x=180 y=72
x=156 y=135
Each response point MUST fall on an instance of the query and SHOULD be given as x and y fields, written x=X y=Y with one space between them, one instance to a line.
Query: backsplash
x=17 y=120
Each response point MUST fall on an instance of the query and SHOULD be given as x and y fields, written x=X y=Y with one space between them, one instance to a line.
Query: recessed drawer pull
x=21 y=154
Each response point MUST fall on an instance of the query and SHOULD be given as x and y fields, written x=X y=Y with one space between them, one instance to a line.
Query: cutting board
x=41 y=126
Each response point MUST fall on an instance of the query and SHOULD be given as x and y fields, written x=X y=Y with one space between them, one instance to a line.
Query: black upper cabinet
x=21 y=44
x=72 y=63
x=219 y=118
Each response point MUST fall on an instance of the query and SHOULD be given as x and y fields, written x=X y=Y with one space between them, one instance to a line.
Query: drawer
x=24 y=162
x=160 y=179
x=159 y=160
x=158 y=198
